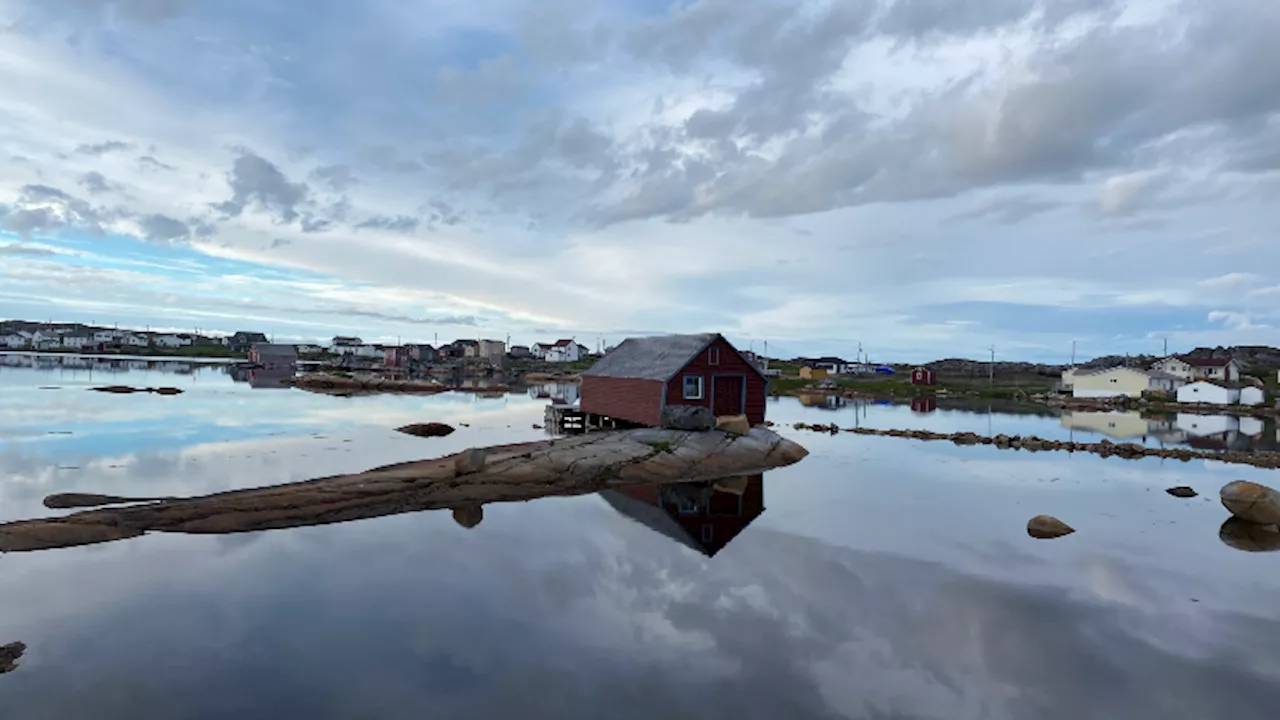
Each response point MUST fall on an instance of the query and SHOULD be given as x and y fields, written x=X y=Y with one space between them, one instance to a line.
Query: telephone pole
x=991 y=369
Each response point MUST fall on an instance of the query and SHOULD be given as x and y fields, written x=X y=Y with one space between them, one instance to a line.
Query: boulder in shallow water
x=468 y=516
x=691 y=418
x=1047 y=527
x=1252 y=501
x=426 y=429
x=1182 y=491
x=1249 y=537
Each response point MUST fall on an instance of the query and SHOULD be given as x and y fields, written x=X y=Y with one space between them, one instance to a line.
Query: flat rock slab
x=509 y=473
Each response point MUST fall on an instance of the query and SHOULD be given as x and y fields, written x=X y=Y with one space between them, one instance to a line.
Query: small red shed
x=639 y=377
x=923 y=376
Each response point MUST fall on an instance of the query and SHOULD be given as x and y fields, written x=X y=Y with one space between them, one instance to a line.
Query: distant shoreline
x=119 y=356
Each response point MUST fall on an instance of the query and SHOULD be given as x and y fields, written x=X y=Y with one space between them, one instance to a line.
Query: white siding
x=1204 y=392
x=1252 y=396
x=1206 y=425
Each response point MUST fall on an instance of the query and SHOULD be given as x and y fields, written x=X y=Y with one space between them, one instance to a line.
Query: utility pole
x=1166 y=347
x=766 y=354
x=991 y=369
x=1073 y=353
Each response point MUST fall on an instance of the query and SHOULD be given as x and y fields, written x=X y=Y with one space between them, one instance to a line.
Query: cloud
x=163 y=229
x=13 y=249
x=337 y=177
x=96 y=183
x=146 y=162
x=103 y=148
x=401 y=223
x=255 y=181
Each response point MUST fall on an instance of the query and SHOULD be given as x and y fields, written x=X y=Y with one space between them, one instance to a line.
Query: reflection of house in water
x=1252 y=427
x=1122 y=425
x=558 y=393
x=702 y=516
x=924 y=403
x=822 y=401
x=269 y=378
x=1210 y=432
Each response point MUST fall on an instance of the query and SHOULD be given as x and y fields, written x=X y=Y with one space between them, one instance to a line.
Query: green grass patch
x=662 y=446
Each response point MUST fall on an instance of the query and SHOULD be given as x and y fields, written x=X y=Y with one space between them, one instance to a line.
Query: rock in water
x=469 y=462
x=9 y=655
x=468 y=516
x=734 y=424
x=426 y=429
x=167 y=391
x=1182 y=491
x=1251 y=501
x=1249 y=537
x=1047 y=527
x=690 y=418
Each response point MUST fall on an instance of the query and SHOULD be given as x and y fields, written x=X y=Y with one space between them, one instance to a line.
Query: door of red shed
x=726 y=395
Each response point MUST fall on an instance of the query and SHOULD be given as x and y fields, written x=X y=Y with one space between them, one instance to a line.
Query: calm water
x=886 y=579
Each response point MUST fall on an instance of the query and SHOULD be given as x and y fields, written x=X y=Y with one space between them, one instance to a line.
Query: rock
x=469 y=462
x=734 y=424
x=167 y=391
x=1249 y=537
x=468 y=516
x=1251 y=501
x=687 y=417
x=116 y=389
x=536 y=426
x=1047 y=527
x=426 y=429
x=732 y=485
x=1182 y=491
x=9 y=655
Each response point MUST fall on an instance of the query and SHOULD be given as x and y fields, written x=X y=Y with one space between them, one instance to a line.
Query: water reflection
x=558 y=393
x=702 y=516
x=1203 y=432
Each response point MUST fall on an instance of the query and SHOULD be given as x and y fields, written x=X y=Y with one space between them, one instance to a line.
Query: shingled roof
x=651 y=358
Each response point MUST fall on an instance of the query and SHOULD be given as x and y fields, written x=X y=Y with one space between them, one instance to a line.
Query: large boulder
x=431 y=429
x=470 y=462
x=9 y=655
x=687 y=417
x=468 y=516
x=1249 y=537
x=1251 y=501
x=734 y=424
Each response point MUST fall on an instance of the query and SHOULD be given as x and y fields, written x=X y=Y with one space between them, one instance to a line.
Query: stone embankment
x=1031 y=443
x=351 y=385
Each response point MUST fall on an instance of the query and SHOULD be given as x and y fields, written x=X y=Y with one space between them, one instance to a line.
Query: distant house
x=809 y=372
x=272 y=355
x=923 y=376
x=105 y=336
x=563 y=351
x=77 y=342
x=520 y=351
x=345 y=344
x=1222 y=369
x=1203 y=391
x=1121 y=381
x=13 y=341
x=168 y=341
x=370 y=351
x=242 y=341
x=397 y=356
x=423 y=353
x=491 y=348
x=309 y=349
x=703 y=517
x=134 y=340
x=641 y=376
x=833 y=365
x=466 y=348
x=1252 y=395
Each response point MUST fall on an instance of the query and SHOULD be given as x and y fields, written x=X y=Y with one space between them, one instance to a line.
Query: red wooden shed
x=635 y=380
x=923 y=376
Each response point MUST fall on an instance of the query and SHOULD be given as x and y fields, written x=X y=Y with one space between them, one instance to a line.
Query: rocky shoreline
x=1031 y=443
x=1122 y=404
x=344 y=385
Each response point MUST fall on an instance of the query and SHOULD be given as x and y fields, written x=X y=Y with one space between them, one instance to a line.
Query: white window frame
x=684 y=387
x=713 y=356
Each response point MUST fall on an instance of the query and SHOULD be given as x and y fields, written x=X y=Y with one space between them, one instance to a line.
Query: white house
x=13 y=341
x=369 y=351
x=564 y=351
x=1121 y=381
x=1207 y=392
x=105 y=336
x=132 y=340
x=1197 y=368
x=168 y=341
x=76 y=342
x=1252 y=395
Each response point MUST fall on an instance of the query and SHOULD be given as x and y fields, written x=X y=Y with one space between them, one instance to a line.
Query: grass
x=900 y=385
x=662 y=446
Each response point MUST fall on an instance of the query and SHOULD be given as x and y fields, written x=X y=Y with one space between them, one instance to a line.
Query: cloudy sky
x=926 y=177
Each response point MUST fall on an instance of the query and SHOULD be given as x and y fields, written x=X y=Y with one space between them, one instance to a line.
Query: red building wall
x=730 y=364
x=637 y=401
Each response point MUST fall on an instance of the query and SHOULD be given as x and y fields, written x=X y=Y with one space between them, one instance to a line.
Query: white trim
x=702 y=387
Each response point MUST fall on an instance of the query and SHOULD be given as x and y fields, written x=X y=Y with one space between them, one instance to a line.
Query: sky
x=924 y=178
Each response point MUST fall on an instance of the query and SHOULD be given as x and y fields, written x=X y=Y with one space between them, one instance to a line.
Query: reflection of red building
x=924 y=404
x=701 y=516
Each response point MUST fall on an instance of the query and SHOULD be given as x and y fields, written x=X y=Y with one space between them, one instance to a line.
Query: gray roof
x=652 y=517
x=651 y=358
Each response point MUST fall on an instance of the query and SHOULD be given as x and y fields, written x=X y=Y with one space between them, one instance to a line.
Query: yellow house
x=1121 y=381
x=808 y=373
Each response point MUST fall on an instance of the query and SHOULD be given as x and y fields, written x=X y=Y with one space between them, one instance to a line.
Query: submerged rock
x=1047 y=527
x=426 y=429
x=167 y=391
x=690 y=418
x=1249 y=537
x=1252 y=501
x=468 y=516
x=734 y=424
x=1182 y=491
x=9 y=655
